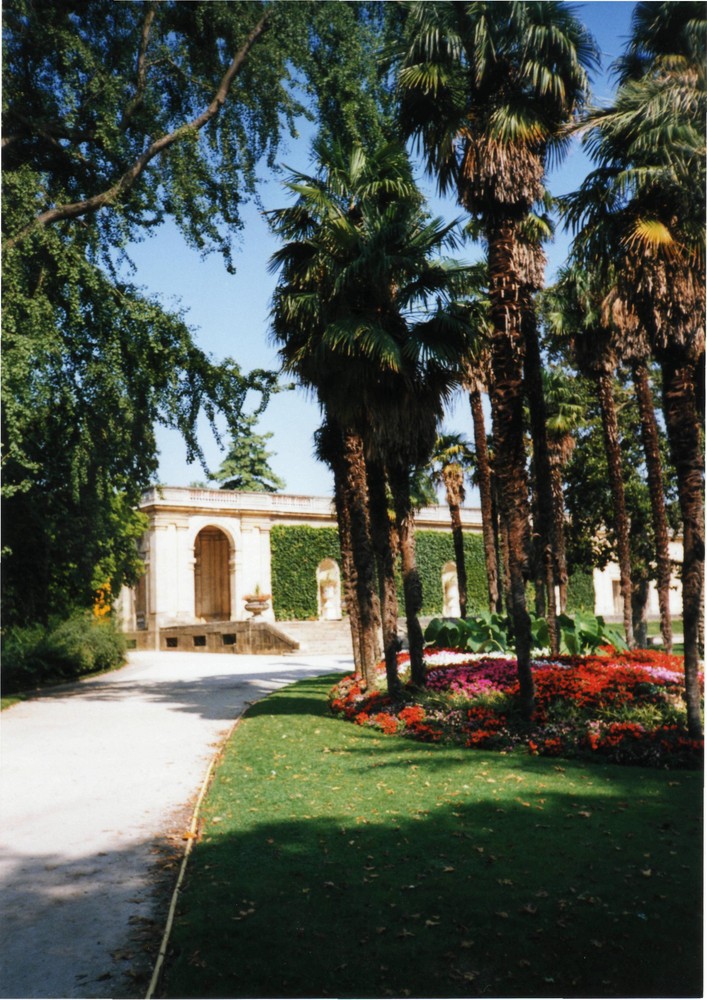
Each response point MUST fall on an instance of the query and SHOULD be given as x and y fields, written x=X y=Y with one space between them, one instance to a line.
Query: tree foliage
x=116 y=117
x=246 y=465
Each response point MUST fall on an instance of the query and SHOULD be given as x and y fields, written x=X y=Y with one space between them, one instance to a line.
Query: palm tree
x=577 y=301
x=565 y=416
x=355 y=541
x=476 y=379
x=450 y=461
x=486 y=90
x=350 y=312
x=645 y=204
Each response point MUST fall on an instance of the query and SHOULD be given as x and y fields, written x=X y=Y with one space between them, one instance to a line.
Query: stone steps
x=320 y=638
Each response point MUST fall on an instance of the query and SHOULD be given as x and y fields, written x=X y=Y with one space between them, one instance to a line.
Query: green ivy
x=295 y=553
x=433 y=549
x=580 y=591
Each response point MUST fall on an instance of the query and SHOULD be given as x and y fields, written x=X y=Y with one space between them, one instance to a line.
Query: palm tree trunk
x=605 y=392
x=399 y=480
x=483 y=472
x=356 y=498
x=385 y=544
x=455 y=497
x=535 y=556
x=558 y=513
x=639 y=611
x=509 y=449
x=329 y=449
x=683 y=426
x=651 y=446
x=348 y=568
x=541 y=462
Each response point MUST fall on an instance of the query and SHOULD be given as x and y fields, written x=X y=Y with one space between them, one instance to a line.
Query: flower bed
x=625 y=707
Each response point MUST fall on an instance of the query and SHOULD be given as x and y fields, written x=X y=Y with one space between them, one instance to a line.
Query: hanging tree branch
x=76 y=209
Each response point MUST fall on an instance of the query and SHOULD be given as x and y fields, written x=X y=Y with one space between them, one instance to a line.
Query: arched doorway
x=212 y=589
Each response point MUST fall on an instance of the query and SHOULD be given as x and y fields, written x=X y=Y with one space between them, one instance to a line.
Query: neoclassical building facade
x=206 y=551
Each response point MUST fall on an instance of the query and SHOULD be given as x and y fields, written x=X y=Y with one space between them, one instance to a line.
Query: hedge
x=80 y=645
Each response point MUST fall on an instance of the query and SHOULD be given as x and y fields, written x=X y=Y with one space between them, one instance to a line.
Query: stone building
x=207 y=551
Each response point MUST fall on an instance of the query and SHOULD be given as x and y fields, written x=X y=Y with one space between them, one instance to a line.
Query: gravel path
x=97 y=782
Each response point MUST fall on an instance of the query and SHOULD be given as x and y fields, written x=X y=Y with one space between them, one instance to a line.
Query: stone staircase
x=320 y=638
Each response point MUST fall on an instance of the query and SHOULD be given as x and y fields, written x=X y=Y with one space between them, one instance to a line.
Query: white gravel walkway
x=94 y=780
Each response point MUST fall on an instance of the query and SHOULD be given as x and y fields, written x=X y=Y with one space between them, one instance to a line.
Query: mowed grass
x=335 y=861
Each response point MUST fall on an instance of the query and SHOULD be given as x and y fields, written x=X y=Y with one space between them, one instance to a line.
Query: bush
x=34 y=656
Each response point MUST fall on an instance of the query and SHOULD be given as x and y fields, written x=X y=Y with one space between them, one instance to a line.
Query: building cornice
x=279 y=506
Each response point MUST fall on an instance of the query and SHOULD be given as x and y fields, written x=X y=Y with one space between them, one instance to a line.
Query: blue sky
x=229 y=314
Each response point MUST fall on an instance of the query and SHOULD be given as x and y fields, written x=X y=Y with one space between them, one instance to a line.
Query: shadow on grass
x=215 y=696
x=505 y=877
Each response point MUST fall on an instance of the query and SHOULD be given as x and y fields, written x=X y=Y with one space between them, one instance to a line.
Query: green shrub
x=82 y=644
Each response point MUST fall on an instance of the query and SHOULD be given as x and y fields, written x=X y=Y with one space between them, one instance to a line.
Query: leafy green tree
x=88 y=369
x=124 y=114
x=488 y=89
x=246 y=465
x=115 y=117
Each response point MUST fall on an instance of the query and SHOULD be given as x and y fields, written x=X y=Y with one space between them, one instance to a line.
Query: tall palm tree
x=477 y=376
x=486 y=91
x=343 y=456
x=576 y=311
x=449 y=463
x=358 y=270
x=645 y=205
x=565 y=416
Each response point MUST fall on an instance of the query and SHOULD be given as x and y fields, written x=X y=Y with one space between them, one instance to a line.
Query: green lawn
x=335 y=861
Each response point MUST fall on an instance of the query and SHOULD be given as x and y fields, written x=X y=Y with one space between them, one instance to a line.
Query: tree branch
x=141 y=68
x=73 y=210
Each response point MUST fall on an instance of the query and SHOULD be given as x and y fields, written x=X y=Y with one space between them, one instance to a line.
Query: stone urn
x=256 y=604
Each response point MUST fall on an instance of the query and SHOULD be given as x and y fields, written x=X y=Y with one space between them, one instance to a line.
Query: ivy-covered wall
x=295 y=553
x=580 y=591
x=432 y=550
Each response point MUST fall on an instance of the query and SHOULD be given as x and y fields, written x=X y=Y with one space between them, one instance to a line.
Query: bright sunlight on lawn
x=338 y=861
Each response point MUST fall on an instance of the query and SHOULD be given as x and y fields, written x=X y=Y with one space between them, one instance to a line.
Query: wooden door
x=211 y=576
